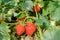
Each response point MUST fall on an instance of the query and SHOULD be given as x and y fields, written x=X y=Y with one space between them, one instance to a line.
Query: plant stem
x=40 y=31
x=36 y=15
x=12 y=23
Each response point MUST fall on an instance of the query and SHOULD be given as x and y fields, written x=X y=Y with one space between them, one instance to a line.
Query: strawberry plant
x=29 y=19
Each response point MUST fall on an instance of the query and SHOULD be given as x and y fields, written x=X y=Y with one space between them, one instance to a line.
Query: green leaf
x=10 y=13
x=1 y=36
x=56 y=0
x=41 y=3
x=0 y=2
x=4 y=2
x=45 y=20
x=27 y=5
x=29 y=20
x=56 y=14
x=14 y=37
x=39 y=22
x=15 y=14
x=9 y=19
x=4 y=31
x=45 y=12
x=52 y=6
x=53 y=9
x=21 y=15
x=52 y=34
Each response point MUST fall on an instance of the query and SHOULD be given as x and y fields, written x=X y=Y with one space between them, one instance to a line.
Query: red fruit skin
x=20 y=29
x=30 y=29
x=36 y=8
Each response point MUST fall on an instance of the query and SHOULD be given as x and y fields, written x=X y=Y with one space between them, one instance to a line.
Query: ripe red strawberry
x=36 y=8
x=20 y=29
x=30 y=29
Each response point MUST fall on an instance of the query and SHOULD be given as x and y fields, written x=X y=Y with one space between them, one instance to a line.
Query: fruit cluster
x=29 y=29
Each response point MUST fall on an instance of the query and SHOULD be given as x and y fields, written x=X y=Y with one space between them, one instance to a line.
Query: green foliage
x=52 y=34
x=13 y=37
x=39 y=22
x=45 y=20
x=57 y=0
x=4 y=31
x=5 y=2
x=21 y=15
x=45 y=12
x=54 y=10
x=27 y=5
x=11 y=10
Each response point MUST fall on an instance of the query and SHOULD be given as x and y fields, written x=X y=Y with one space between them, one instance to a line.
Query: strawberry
x=20 y=29
x=30 y=29
x=36 y=8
